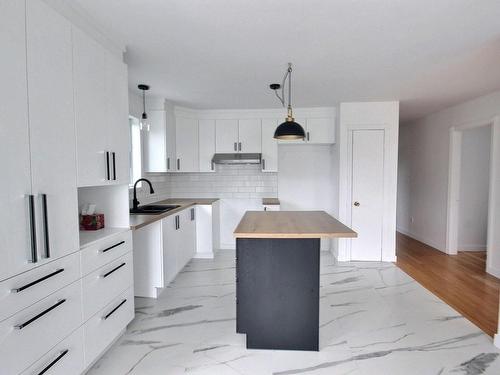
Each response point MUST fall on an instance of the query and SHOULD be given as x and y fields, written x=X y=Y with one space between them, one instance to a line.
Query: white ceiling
x=221 y=54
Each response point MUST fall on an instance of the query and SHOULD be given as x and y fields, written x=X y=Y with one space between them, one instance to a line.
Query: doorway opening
x=470 y=192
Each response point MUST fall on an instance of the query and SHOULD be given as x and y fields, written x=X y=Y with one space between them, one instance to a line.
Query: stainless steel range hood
x=240 y=158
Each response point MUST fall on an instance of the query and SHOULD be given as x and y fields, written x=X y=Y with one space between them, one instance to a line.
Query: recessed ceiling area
x=223 y=54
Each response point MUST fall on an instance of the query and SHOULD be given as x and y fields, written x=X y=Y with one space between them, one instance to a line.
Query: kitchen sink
x=153 y=209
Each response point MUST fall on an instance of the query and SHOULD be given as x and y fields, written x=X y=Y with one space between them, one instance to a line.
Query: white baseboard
x=496 y=340
x=493 y=271
x=472 y=247
x=421 y=239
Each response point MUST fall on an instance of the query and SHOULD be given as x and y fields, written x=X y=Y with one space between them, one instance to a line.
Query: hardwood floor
x=459 y=280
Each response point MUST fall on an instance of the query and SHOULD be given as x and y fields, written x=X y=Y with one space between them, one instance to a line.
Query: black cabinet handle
x=168 y=164
x=112 y=311
x=112 y=247
x=31 y=205
x=45 y=218
x=235 y=146
x=263 y=164
x=108 y=177
x=307 y=136
x=212 y=165
x=239 y=146
x=192 y=214
x=113 y=270
x=178 y=164
x=54 y=361
x=28 y=322
x=26 y=286
x=114 y=165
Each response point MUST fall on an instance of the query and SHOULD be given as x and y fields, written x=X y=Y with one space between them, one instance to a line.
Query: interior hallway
x=460 y=280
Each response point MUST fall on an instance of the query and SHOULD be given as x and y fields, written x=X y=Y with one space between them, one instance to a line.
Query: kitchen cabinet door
x=226 y=136
x=189 y=234
x=320 y=130
x=249 y=136
x=90 y=89
x=52 y=131
x=206 y=131
x=186 y=145
x=155 y=143
x=170 y=239
x=269 y=146
x=117 y=125
x=14 y=153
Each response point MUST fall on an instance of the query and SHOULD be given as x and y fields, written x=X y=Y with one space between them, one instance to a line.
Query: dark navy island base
x=277 y=292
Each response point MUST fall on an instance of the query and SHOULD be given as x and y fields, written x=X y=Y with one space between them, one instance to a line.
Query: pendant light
x=144 y=124
x=288 y=130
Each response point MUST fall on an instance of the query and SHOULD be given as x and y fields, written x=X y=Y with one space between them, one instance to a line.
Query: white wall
x=474 y=187
x=370 y=115
x=426 y=159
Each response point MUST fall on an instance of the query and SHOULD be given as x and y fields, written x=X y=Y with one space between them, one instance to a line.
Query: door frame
x=454 y=173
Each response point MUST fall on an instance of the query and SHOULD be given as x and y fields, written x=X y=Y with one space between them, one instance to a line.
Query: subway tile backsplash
x=228 y=181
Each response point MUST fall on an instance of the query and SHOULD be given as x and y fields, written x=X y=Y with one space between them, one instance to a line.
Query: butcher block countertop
x=138 y=221
x=291 y=224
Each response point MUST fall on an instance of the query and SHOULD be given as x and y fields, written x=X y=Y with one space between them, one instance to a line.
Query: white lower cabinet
x=63 y=359
x=102 y=329
x=26 y=336
x=204 y=232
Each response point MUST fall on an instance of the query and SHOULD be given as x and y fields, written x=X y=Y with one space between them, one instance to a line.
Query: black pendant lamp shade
x=288 y=130
x=144 y=88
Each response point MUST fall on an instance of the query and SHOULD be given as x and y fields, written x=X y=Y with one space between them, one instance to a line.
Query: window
x=135 y=150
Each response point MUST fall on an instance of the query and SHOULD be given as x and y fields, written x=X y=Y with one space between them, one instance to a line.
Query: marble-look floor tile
x=374 y=319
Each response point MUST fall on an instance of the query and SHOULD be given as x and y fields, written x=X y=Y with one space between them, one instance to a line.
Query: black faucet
x=135 y=202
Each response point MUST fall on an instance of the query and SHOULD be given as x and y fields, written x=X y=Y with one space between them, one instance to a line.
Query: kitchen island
x=277 y=276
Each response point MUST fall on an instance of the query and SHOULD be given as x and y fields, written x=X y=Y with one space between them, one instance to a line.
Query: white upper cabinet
x=14 y=133
x=249 y=139
x=101 y=113
x=269 y=146
x=52 y=131
x=320 y=130
x=117 y=125
x=226 y=136
x=89 y=77
x=186 y=145
x=206 y=131
x=155 y=142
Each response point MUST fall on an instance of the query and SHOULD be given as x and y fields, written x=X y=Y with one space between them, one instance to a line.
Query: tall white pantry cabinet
x=45 y=287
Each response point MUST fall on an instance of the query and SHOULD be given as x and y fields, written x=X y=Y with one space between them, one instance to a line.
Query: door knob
x=356 y=204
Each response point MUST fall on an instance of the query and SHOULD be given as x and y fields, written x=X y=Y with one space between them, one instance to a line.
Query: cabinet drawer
x=102 y=252
x=105 y=326
x=26 y=336
x=64 y=359
x=103 y=285
x=25 y=289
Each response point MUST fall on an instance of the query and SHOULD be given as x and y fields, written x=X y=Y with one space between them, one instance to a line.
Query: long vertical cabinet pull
x=31 y=205
x=168 y=164
x=45 y=218
x=235 y=146
x=114 y=165
x=239 y=146
x=307 y=136
x=108 y=177
x=263 y=164
x=178 y=164
x=192 y=214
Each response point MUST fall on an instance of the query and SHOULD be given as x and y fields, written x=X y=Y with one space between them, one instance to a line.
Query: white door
x=269 y=146
x=206 y=131
x=117 y=125
x=15 y=241
x=226 y=136
x=320 y=130
x=52 y=130
x=249 y=136
x=367 y=193
x=186 y=145
x=89 y=81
